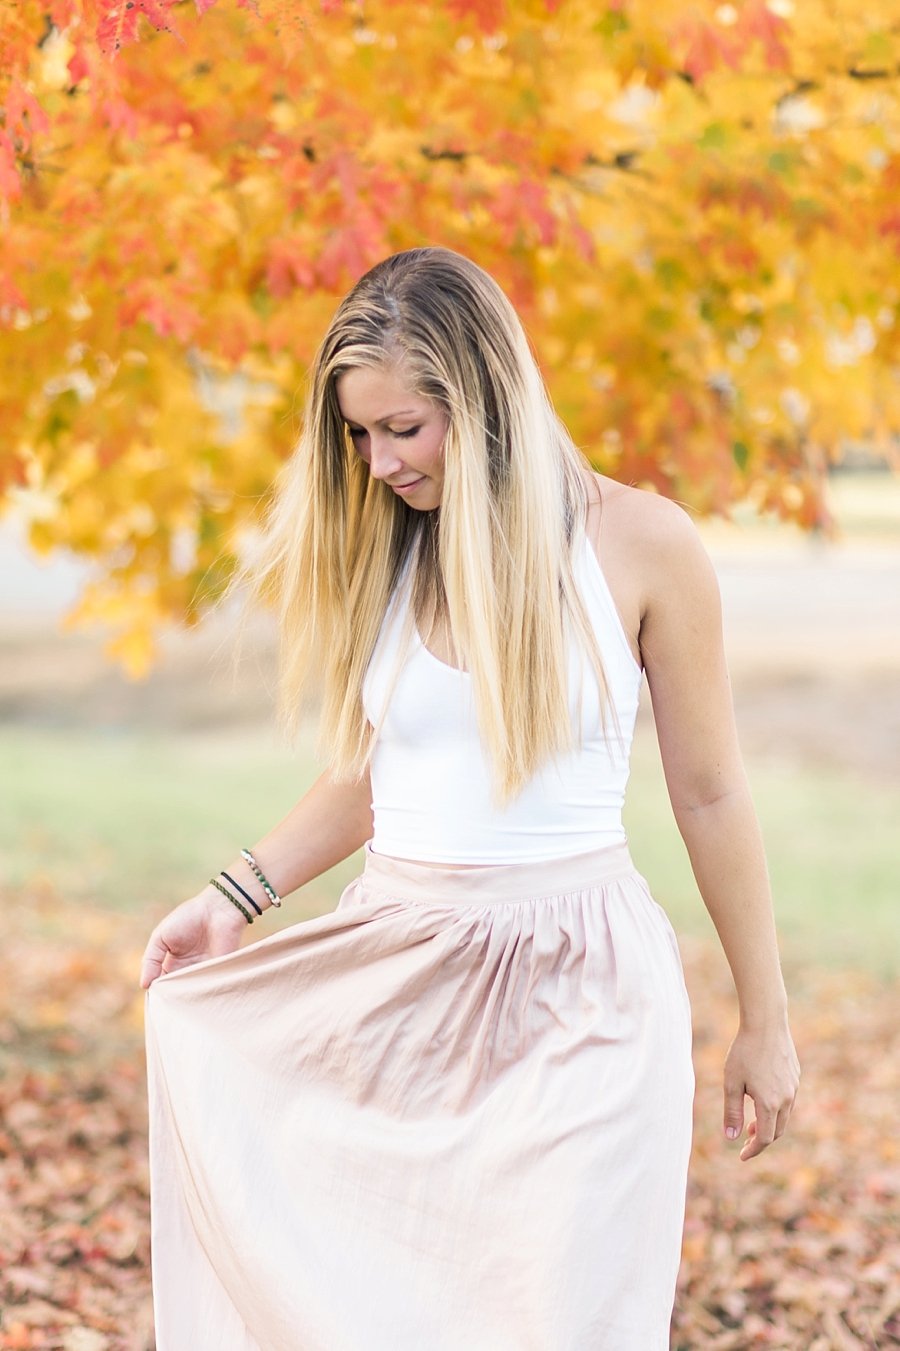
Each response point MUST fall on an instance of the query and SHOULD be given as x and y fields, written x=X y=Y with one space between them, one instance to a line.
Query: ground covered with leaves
x=798 y=1250
x=74 y=1203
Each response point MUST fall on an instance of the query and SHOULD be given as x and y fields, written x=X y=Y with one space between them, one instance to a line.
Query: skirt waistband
x=485 y=885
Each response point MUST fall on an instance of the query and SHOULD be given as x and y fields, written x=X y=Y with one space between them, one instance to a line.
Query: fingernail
x=731 y=1132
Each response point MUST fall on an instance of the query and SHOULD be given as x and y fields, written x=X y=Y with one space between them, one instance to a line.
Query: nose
x=383 y=458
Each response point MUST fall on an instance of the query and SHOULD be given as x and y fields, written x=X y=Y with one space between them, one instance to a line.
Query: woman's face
x=400 y=435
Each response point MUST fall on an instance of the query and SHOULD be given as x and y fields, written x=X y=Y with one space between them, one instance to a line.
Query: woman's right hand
x=207 y=925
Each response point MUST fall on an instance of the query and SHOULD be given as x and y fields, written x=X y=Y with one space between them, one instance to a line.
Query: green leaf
x=612 y=23
x=781 y=163
x=717 y=136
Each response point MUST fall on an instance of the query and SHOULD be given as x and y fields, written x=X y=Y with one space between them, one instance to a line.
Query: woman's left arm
x=683 y=653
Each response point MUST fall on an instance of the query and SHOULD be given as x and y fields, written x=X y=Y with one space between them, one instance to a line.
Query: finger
x=784 y=1117
x=152 y=963
x=751 y=1146
x=762 y=1133
x=734 y=1109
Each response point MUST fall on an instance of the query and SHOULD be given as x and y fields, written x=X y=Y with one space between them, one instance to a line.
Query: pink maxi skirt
x=454 y=1115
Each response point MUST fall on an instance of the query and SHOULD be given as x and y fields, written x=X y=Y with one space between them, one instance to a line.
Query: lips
x=406 y=487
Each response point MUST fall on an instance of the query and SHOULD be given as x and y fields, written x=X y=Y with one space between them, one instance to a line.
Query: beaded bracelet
x=260 y=877
x=234 y=900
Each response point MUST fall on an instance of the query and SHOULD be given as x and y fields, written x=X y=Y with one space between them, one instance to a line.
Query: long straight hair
x=496 y=558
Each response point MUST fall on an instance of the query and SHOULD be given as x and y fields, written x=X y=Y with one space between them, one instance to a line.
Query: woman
x=455 y=1114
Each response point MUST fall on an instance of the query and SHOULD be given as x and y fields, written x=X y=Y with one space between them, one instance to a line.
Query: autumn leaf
x=757 y=20
x=10 y=183
x=706 y=48
x=119 y=25
x=488 y=14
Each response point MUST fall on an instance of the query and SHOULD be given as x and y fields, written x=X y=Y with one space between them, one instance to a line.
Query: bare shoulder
x=643 y=526
x=644 y=519
x=648 y=546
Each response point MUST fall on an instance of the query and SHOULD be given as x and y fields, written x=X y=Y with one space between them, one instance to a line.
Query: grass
x=140 y=821
x=834 y=858
x=137 y=822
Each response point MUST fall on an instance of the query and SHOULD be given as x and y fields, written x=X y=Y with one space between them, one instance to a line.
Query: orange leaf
x=488 y=14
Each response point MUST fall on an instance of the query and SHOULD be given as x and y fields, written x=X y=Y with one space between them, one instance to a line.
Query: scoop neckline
x=428 y=652
x=617 y=618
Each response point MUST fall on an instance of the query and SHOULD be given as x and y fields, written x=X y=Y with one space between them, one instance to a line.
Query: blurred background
x=694 y=209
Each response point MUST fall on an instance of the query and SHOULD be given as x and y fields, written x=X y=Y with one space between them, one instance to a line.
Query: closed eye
x=356 y=432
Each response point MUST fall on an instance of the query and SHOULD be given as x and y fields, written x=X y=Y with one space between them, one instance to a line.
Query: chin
x=426 y=498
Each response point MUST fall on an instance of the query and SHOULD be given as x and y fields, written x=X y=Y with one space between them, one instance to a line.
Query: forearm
x=328 y=824
x=726 y=851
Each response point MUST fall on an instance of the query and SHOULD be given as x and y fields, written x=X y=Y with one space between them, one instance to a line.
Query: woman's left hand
x=762 y=1065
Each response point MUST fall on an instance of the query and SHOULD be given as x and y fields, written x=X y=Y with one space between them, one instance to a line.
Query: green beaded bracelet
x=234 y=900
x=261 y=879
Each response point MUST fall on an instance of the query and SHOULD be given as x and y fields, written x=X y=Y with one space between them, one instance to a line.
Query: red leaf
x=347 y=253
x=534 y=200
x=10 y=183
x=78 y=66
x=203 y=6
x=119 y=25
x=705 y=49
x=121 y=116
x=10 y=297
x=169 y=315
x=891 y=226
x=159 y=14
x=64 y=12
x=24 y=115
x=288 y=267
x=756 y=20
x=520 y=205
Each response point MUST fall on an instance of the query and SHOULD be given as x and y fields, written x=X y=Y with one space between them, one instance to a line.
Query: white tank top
x=431 y=781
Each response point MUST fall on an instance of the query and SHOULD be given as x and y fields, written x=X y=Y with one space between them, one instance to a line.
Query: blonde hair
x=495 y=558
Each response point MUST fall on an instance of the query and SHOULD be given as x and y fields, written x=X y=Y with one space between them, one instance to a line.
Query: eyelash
x=356 y=432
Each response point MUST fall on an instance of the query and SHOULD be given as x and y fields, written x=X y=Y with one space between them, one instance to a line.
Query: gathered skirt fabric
x=454 y=1115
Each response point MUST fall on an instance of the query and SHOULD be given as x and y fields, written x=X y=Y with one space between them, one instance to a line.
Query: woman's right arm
x=332 y=821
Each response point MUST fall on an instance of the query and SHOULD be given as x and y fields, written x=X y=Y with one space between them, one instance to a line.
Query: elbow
x=698 y=800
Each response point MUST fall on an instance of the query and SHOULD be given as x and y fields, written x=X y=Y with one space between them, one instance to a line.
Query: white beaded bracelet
x=260 y=877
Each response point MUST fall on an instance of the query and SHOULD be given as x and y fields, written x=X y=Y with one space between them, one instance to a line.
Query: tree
x=694 y=207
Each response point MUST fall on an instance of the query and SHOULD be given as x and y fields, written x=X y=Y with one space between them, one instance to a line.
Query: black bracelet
x=246 y=895
x=234 y=900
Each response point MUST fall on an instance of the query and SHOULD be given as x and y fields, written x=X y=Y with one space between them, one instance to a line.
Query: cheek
x=433 y=449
